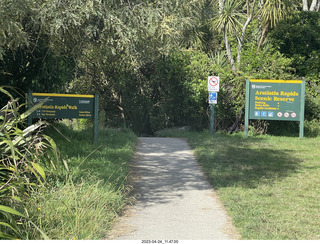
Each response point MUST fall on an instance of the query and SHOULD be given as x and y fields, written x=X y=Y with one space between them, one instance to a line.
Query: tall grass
x=84 y=206
x=269 y=184
x=26 y=155
x=71 y=193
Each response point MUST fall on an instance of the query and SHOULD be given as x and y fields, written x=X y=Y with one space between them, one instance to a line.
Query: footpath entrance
x=174 y=199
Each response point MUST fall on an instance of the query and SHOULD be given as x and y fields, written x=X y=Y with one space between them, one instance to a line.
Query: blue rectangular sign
x=213 y=97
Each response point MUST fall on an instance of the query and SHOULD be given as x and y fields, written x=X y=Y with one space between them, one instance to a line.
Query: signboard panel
x=213 y=97
x=275 y=100
x=213 y=83
x=64 y=106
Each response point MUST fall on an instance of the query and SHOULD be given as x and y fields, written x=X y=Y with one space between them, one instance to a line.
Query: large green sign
x=62 y=106
x=65 y=106
x=275 y=100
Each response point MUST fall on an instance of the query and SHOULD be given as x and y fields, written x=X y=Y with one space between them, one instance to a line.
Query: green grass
x=269 y=185
x=84 y=206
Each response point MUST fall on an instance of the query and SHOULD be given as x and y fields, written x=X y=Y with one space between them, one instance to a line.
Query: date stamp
x=159 y=241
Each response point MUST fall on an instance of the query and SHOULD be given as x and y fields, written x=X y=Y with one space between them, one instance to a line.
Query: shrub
x=312 y=128
x=25 y=156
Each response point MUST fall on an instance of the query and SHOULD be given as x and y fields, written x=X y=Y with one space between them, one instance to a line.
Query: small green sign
x=275 y=100
x=65 y=106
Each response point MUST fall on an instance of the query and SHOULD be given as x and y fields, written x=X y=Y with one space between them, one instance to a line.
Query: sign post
x=66 y=106
x=211 y=119
x=275 y=100
x=213 y=88
x=303 y=94
x=95 y=119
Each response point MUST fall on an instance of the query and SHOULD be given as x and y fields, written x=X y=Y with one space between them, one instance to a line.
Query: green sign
x=275 y=100
x=62 y=106
x=65 y=106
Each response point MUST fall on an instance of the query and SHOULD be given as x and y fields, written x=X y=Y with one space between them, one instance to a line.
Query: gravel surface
x=174 y=201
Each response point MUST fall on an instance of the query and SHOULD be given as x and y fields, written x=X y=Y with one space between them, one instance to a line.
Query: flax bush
x=26 y=155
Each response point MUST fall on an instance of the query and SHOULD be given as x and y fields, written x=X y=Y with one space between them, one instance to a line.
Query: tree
x=314 y=6
x=271 y=12
x=12 y=33
x=299 y=38
x=230 y=20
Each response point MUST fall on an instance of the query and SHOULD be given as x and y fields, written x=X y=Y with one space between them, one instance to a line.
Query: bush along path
x=85 y=206
x=60 y=186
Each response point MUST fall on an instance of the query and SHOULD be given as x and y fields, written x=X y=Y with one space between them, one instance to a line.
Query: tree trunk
x=305 y=5
x=235 y=126
x=244 y=29
x=226 y=40
x=313 y=5
x=263 y=36
x=228 y=48
x=240 y=40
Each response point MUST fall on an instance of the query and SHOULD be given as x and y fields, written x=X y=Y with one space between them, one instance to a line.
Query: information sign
x=213 y=97
x=275 y=100
x=65 y=106
x=62 y=106
x=213 y=83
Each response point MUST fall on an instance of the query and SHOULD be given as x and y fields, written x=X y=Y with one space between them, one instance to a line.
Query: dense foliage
x=149 y=60
x=46 y=193
x=27 y=158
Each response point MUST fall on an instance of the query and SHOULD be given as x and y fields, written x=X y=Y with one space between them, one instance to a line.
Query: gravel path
x=174 y=199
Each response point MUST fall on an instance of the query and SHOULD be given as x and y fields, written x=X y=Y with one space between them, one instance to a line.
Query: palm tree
x=227 y=21
x=230 y=20
x=272 y=12
x=315 y=5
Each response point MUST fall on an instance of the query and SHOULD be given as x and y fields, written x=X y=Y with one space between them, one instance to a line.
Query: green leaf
x=40 y=170
x=35 y=173
x=6 y=92
x=45 y=237
x=10 y=210
x=4 y=236
x=18 y=199
x=9 y=147
x=65 y=165
x=31 y=110
x=54 y=149
x=7 y=225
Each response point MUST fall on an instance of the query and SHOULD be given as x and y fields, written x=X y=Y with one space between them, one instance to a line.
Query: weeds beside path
x=269 y=185
x=84 y=206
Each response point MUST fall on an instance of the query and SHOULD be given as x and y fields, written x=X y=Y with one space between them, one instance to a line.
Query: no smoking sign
x=213 y=83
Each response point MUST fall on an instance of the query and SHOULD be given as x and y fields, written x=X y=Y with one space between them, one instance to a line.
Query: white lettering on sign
x=84 y=101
